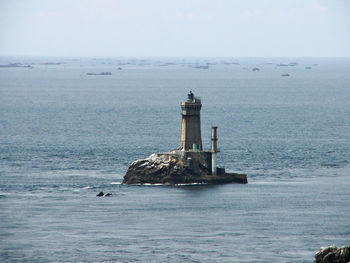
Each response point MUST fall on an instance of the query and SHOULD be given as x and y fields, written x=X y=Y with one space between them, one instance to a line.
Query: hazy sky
x=175 y=28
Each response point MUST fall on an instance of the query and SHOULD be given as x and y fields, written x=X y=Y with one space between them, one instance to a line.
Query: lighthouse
x=187 y=164
x=191 y=138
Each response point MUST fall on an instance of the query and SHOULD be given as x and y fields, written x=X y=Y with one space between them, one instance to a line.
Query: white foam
x=116 y=182
x=87 y=187
x=191 y=184
x=149 y=184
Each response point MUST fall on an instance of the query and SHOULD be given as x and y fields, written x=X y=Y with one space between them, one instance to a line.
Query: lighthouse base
x=179 y=167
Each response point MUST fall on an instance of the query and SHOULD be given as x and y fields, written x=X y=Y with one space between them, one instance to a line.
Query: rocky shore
x=178 y=168
x=333 y=254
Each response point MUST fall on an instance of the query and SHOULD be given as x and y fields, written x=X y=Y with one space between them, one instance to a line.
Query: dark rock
x=108 y=194
x=177 y=168
x=100 y=194
x=201 y=67
x=101 y=73
x=15 y=65
x=255 y=69
x=333 y=254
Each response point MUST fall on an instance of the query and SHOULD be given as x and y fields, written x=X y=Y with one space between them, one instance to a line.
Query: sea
x=66 y=135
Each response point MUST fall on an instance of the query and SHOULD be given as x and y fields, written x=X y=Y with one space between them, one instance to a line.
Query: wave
x=149 y=184
x=191 y=184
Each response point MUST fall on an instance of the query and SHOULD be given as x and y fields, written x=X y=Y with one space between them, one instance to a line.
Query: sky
x=181 y=28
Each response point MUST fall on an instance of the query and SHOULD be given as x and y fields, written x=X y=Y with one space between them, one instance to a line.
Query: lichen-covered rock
x=333 y=254
x=162 y=169
x=175 y=169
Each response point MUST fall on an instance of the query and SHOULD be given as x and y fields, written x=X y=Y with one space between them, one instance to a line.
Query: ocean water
x=65 y=136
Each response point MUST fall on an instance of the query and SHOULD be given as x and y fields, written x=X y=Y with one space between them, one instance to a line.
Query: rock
x=100 y=194
x=178 y=167
x=333 y=254
x=108 y=194
x=101 y=73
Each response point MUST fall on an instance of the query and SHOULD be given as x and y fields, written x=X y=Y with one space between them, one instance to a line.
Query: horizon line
x=156 y=56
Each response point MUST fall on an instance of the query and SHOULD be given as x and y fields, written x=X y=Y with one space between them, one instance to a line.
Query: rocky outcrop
x=177 y=168
x=333 y=254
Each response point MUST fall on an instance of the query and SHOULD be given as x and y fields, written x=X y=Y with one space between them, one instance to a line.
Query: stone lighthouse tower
x=191 y=138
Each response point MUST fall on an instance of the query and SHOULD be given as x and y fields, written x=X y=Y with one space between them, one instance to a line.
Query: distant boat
x=285 y=75
x=255 y=69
